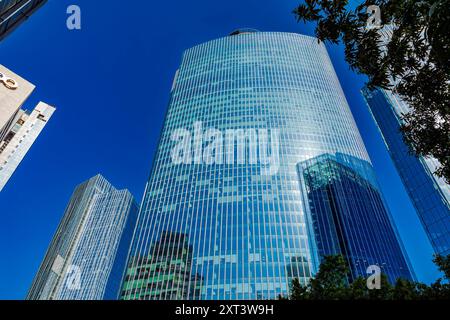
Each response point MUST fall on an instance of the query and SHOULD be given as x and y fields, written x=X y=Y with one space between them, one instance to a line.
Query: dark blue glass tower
x=429 y=193
x=348 y=216
x=14 y=12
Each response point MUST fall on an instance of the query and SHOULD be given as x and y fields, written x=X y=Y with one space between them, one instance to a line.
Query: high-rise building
x=429 y=193
x=14 y=12
x=258 y=136
x=19 y=128
x=87 y=256
x=346 y=209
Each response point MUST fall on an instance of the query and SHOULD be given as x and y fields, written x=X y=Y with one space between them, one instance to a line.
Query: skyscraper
x=250 y=116
x=429 y=194
x=14 y=12
x=346 y=210
x=87 y=256
x=19 y=128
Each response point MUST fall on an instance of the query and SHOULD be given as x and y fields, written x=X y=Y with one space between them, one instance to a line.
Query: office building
x=87 y=256
x=346 y=210
x=250 y=117
x=19 y=128
x=15 y=12
x=429 y=193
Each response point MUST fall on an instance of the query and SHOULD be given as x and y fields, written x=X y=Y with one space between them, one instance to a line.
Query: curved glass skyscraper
x=260 y=171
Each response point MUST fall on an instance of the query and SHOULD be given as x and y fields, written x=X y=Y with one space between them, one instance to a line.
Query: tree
x=331 y=283
x=298 y=292
x=405 y=290
x=415 y=63
x=358 y=289
x=443 y=264
x=384 y=293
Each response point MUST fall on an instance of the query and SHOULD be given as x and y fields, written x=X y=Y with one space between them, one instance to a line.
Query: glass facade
x=429 y=193
x=14 y=12
x=87 y=256
x=166 y=275
x=233 y=229
x=346 y=210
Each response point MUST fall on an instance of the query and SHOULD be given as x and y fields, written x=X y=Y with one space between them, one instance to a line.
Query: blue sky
x=110 y=83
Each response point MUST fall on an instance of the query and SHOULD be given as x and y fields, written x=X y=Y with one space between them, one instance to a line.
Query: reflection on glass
x=165 y=273
x=349 y=217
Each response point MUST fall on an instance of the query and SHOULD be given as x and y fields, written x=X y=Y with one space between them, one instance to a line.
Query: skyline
x=142 y=123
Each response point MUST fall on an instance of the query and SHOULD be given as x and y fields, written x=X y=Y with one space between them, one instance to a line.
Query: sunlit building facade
x=15 y=12
x=19 y=128
x=87 y=256
x=429 y=193
x=241 y=227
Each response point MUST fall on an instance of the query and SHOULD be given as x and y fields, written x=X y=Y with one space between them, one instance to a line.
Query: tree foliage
x=415 y=63
x=331 y=283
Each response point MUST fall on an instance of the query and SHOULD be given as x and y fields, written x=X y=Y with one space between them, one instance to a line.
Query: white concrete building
x=18 y=127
